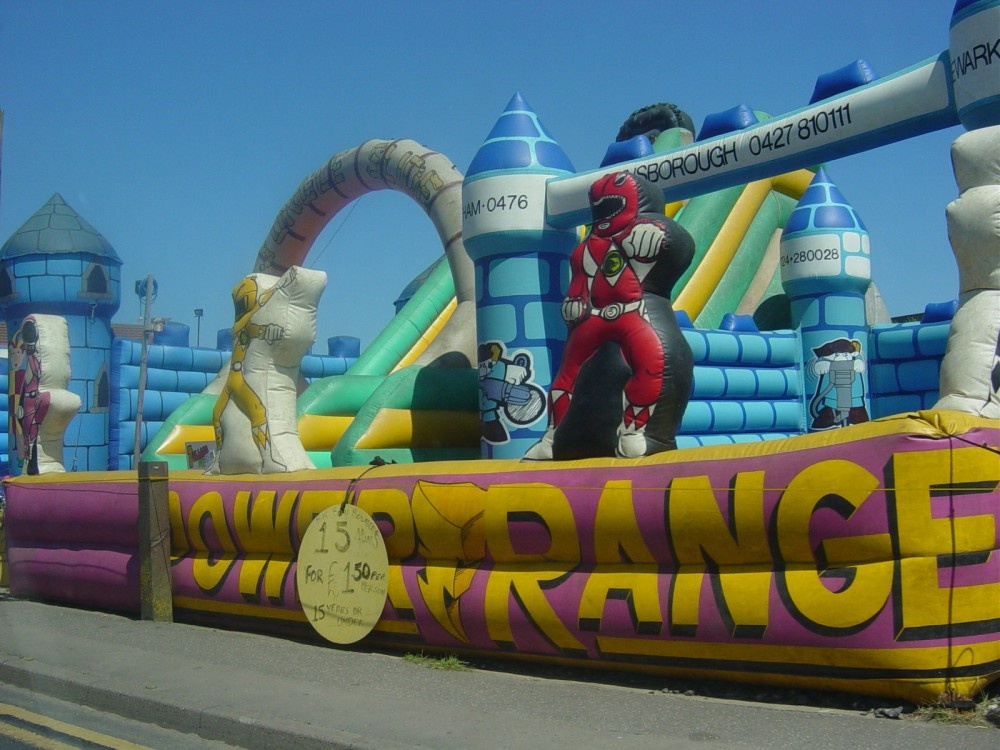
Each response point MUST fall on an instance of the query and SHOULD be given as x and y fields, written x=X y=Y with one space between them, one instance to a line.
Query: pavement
x=256 y=691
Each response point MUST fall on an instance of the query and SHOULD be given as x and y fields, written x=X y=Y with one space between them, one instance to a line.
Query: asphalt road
x=29 y=721
x=257 y=691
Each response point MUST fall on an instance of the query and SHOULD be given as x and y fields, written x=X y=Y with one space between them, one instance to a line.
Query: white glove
x=572 y=309
x=821 y=367
x=644 y=241
x=515 y=374
x=271 y=332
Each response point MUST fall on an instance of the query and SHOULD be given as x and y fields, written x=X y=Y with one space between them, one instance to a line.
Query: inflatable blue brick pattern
x=173 y=375
x=747 y=388
x=906 y=364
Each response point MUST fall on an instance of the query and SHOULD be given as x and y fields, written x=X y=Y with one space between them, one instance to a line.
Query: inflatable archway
x=428 y=177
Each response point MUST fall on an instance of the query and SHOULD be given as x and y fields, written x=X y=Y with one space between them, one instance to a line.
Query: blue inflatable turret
x=58 y=264
x=825 y=271
x=521 y=266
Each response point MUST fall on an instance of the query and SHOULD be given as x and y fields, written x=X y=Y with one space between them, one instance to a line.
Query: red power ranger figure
x=605 y=303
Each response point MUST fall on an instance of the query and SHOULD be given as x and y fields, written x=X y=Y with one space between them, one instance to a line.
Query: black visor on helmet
x=606 y=207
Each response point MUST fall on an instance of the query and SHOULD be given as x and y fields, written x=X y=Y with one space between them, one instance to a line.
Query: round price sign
x=342 y=574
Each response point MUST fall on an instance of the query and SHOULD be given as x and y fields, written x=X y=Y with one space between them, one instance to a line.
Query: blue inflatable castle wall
x=174 y=373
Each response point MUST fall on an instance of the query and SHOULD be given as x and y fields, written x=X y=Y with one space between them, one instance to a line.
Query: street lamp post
x=198 y=312
x=147 y=290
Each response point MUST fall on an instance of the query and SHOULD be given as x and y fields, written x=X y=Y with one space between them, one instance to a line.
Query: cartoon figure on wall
x=622 y=325
x=839 y=399
x=28 y=404
x=505 y=392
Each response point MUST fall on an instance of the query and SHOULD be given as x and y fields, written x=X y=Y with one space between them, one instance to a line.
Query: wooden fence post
x=155 y=594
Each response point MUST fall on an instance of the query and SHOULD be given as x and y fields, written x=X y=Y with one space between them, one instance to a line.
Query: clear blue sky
x=179 y=129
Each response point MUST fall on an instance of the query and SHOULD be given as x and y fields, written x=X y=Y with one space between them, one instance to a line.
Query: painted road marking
x=46 y=733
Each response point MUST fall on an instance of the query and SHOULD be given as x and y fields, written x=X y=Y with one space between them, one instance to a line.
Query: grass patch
x=449 y=663
x=957 y=713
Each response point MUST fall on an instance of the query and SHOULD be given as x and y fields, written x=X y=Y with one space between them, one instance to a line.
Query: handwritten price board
x=342 y=574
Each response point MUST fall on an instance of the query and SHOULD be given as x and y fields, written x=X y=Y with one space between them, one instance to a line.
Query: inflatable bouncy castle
x=649 y=416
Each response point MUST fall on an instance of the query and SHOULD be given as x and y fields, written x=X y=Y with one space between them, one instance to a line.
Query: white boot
x=632 y=437
x=631 y=443
x=542 y=450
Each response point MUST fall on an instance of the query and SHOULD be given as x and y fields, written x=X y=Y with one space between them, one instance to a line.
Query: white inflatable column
x=970 y=372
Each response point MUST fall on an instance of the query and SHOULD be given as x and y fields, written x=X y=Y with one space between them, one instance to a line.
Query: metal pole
x=143 y=359
x=198 y=312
